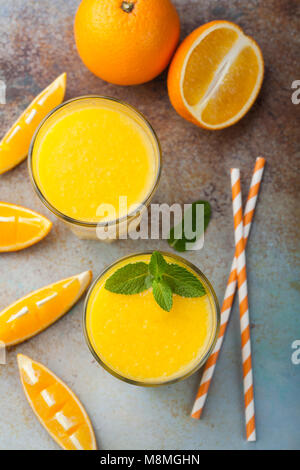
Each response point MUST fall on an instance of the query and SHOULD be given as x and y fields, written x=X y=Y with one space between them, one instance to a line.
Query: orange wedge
x=21 y=227
x=215 y=75
x=35 y=312
x=15 y=144
x=56 y=406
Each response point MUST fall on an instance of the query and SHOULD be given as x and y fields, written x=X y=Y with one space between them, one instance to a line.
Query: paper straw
x=229 y=294
x=243 y=302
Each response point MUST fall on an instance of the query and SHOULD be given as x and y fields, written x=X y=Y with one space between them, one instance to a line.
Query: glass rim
x=202 y=359
x=90 y=224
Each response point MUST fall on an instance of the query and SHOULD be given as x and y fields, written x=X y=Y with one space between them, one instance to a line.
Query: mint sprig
x=165 y=279
x=128 y=280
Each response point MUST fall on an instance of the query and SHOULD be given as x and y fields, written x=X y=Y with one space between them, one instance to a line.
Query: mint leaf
x=128 y=280
x=157 y=265
x=148 y=281
x=179 y=244
x=162 y=294
x=183 y=282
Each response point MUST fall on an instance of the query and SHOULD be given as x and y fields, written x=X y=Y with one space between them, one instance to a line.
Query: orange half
x=15 y=144
x=215 y=75
x=36 y=311
x=56 y=406
x=20 y=227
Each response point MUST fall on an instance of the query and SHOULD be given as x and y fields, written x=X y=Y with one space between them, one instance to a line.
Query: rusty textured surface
x=36 y=44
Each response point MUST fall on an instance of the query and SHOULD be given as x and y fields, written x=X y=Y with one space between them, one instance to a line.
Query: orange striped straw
x=243 y=301
x=229 y=294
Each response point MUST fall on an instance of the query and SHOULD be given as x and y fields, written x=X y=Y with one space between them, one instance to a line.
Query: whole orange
x=126 y=43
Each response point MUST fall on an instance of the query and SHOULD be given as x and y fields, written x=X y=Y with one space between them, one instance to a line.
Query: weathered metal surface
x=36 y=44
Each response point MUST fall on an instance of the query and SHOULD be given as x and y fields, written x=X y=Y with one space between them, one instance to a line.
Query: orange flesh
x=235 y=89
x=38 y=315
x=38 y=310
x=204 y=61
x=56 y=407
x=20 y=227
x=15 y=144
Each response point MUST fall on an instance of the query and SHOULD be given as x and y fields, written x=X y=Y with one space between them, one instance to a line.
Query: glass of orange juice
x=137 y=341
x=89 y=152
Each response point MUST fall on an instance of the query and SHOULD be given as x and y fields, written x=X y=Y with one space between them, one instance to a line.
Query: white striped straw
x=243 y=302
x=229 y=294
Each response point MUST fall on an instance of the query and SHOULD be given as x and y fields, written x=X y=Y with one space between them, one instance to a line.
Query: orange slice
x=56 y=406
x=215 y=75
x=35 y=312
x=15 y=144
x=21 y=227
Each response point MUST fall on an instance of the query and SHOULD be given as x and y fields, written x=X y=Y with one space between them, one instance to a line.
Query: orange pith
x=215 y=75
x=15 y=144
x=126 y=43
x=33 y=313
x=20 y=227
x=56 y=406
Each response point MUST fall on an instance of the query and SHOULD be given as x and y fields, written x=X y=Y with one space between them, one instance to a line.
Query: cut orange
x=215 y=75
x=56 y=406
x=15 y=144
x=21 y=227
x=36 y=311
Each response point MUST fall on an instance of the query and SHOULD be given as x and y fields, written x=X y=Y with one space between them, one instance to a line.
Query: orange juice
x=138 y=341
x=91 y=151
